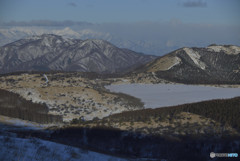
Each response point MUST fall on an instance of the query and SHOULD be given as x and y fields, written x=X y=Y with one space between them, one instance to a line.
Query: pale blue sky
x=149 y=26
x=121 y=11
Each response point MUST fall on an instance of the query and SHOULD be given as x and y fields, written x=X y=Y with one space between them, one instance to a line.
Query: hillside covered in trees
x=13 y=105
x=225 y=111
x=184 y=132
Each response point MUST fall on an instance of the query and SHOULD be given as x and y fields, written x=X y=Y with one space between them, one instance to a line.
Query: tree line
x=13 y=105
x=225 y=111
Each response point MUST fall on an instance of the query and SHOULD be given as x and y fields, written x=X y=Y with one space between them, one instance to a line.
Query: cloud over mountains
x=194 y=3
x=72 y=4
x=47 y=23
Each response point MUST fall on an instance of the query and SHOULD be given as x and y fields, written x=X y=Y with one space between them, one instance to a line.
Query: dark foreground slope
x=184 y=133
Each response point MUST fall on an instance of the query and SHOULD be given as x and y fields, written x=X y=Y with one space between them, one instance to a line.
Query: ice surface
x=161 y=95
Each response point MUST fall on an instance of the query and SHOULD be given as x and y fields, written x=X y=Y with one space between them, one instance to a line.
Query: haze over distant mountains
x=146 y=37
x=8 y=35
x=51 y=52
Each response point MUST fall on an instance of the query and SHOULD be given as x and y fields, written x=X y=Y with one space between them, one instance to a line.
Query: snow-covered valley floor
x=162 y=95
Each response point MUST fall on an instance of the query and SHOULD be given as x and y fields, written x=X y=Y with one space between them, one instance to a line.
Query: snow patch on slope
x=13 y=148
x=231 y=50
x=195 y=57
x=35 y=37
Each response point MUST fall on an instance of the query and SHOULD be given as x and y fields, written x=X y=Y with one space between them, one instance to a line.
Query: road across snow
x=161 y=95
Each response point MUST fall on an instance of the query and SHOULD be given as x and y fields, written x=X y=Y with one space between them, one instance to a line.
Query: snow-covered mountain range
x=8 y=35
x=52 y=52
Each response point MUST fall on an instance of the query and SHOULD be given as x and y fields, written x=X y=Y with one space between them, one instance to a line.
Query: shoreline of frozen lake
x=163 y=95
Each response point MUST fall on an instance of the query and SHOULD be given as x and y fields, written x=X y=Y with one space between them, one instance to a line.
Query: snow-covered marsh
x=161 y=95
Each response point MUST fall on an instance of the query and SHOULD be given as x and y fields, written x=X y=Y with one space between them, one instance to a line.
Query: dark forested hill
x=13 y=105
x=214 y=64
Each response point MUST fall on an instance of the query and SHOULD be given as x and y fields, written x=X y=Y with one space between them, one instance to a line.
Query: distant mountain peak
x=213 y=64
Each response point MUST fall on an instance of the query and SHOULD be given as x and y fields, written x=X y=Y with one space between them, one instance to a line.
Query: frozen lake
x=161 y=95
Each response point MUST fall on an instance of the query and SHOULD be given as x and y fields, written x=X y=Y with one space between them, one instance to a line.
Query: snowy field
x=161 y=95
x=13 y=148
x=29 y=149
